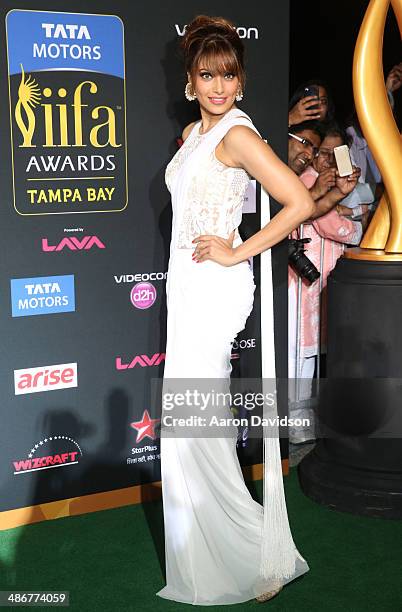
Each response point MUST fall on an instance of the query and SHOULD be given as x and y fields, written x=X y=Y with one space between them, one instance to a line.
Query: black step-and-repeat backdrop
x=96 y=101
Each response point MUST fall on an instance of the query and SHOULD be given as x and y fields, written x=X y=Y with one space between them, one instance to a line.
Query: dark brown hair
x=215 y=41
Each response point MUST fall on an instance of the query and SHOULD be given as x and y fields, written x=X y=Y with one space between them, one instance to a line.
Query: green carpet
x=110 y=560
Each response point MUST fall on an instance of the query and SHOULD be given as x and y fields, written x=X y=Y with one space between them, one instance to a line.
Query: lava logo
x=145 y=427
x=73 y=244
x=141 y=360
x=42 y=295
x=62 y=451
x=68 y=112
x=45 y=378
x=143 y=295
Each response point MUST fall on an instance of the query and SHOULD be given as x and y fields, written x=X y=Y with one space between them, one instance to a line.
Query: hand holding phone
x=347 y=183
x=313 y=91
x=307 y=107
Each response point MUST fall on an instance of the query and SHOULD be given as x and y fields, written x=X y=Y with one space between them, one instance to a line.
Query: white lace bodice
x=214 y=193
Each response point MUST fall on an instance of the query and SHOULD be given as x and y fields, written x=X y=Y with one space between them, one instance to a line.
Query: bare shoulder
x=238 y=133
x=187 y=130
x=239 y=143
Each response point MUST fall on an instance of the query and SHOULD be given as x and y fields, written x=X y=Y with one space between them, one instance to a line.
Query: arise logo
x=73 y=244
x=141 y=360
x=45 y=378
x=242 y=31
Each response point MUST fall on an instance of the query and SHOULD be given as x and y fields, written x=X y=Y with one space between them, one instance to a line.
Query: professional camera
x=300 y=262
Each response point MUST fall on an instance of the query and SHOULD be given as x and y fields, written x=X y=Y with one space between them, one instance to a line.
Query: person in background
x=306 y=108
x=329 y=231
x=321 y=176
x=370 y=187
x=304 y=140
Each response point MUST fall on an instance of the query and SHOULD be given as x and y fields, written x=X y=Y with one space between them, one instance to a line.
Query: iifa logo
x=67 y=108
x=73 y=244
x=45 y=378
x=141 y=360
x=29 y=97
x=42 y=295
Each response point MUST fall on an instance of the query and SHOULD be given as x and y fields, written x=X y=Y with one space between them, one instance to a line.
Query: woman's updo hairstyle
x=215 y=41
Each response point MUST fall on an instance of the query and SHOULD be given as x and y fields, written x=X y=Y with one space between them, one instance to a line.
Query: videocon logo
x=67 y=112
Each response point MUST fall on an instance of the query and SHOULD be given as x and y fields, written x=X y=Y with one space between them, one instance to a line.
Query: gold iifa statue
x=383 y=238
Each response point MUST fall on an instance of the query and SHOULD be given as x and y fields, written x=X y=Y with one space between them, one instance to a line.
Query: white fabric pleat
x=279 y=556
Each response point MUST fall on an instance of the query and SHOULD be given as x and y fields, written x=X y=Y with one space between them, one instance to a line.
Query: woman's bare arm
x=243 y=148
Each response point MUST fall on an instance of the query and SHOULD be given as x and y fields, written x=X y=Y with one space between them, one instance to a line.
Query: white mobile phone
x=343 y=161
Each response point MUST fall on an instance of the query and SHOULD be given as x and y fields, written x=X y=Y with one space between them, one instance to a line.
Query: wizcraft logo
x=73 y=244
x=62 y=451
x=67 y=109
x=42 y=295
x=143 y=361
x=45 y=378
x=242 y=31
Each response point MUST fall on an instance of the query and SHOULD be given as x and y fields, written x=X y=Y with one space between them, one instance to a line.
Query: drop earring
x=239 y=96
x=190 y=96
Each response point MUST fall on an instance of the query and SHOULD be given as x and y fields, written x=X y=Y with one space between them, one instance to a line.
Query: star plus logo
x=145 y=427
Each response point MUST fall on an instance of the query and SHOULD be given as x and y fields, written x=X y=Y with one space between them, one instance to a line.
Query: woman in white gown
x=222 y=547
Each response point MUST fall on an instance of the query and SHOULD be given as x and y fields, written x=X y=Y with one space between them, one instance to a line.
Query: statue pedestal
x=356 y=465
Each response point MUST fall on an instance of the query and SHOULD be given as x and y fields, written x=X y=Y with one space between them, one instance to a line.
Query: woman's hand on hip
x=214 y=248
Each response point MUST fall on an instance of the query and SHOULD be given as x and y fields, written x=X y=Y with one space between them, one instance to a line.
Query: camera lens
x=300 y=262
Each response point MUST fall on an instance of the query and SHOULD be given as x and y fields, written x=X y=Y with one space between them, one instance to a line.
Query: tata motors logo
x=143 y=295
x=72 y=243
x=42 y=295
x=50 y=452
x=67 y=112
x=45 y=378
